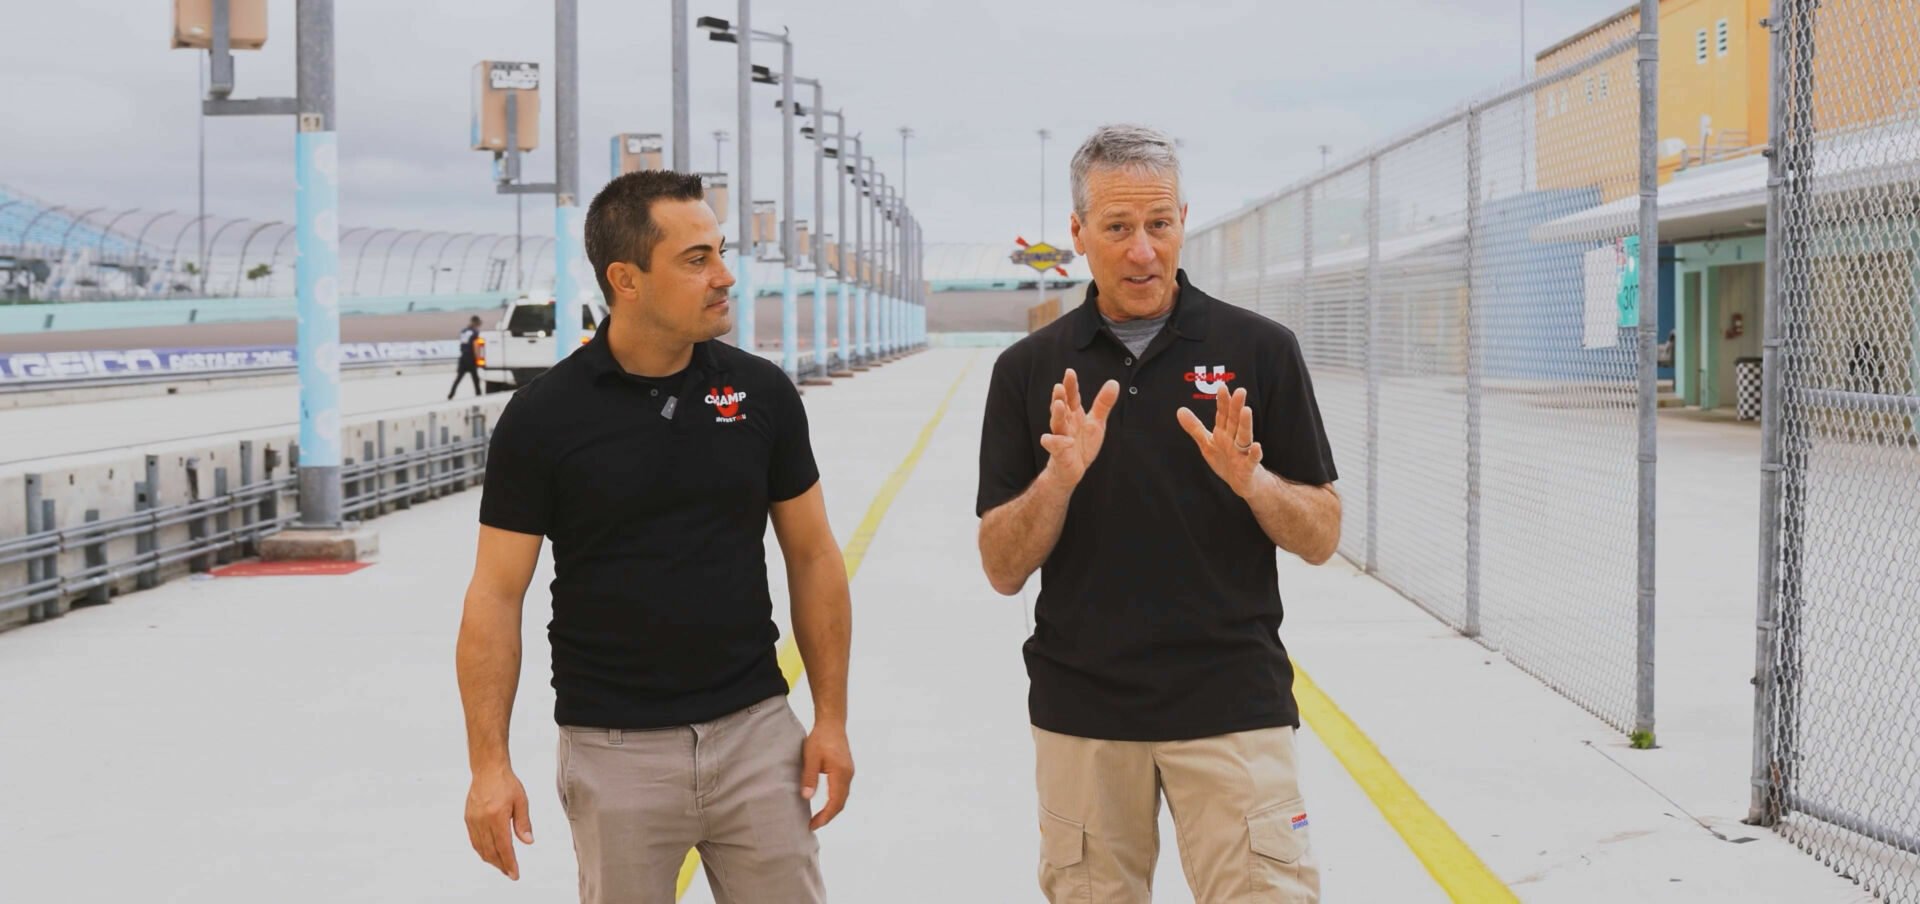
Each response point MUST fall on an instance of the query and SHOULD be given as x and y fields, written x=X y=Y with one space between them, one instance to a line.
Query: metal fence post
x=1649 y=324
x=485 y=436
x=37 y=611
x=223 y=518
x=1306 y=259
x=270 y=503
x=422 y=466
x=96 y=558
x=1476 y=321
x=349 y=491
x=477 y=427
x=196 y=525
x=246 y=537
x=380 y=472
x=403 y=478
x=1259 y=258
x=370 y=482
x=1372 y=362
x=1768 y=774
x=146 y=495
x=50 y=569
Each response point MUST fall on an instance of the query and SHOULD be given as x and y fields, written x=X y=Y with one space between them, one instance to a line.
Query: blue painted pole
x=744 y=290
x=316 y=204
x=819 y=321
x=789 y=317
x=573 y=282
x=846 y=350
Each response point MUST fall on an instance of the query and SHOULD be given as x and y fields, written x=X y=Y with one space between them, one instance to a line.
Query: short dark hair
x=620 y=223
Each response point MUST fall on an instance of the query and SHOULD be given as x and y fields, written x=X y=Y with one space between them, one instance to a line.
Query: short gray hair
x=1127 y=147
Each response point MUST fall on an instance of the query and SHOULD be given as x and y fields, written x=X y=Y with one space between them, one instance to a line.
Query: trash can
x=1747 y=373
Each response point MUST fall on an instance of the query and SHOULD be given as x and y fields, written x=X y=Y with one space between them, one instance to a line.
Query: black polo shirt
x=1159 y=609
x=661 y=614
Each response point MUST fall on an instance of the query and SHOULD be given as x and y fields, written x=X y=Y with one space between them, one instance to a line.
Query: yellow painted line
x=1457 y=869
x=854 y=553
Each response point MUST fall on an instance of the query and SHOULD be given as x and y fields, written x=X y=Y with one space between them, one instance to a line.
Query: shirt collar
x=598 y=355
x=1189 y=319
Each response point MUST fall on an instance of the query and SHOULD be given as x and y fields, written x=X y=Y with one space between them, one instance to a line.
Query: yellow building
x=1713 y=95
x=1714 y=61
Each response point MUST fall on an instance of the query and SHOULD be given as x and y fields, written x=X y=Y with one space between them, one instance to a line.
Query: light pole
x=1044 y=135
x=917 y=284
x=317 y=233
x=842 y=359
x=1040 y=284
x=726 y=32
x=906 y=132
x=890 y=295
x=882 y=236
x=789 y=302
x=682 y=130
x=903 y=300
x=855 y=347
x=572 y=274
x=200 y=260
x=818 y=375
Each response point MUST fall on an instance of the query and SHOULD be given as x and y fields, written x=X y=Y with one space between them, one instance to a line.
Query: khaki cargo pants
x=637 y=800
x=1237 y=811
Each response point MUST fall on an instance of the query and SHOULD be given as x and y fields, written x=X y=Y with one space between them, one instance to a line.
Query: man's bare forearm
x=1017 y=537
x=1299 y=518
x=823 y=630
x=487 y=659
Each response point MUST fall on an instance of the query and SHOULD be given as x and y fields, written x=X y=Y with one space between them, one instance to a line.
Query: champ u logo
x=1204 y=384
x=726 y=401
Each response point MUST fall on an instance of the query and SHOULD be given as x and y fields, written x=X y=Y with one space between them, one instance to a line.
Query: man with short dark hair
x=1156 y=665
x=654 y=457
x=469 y=357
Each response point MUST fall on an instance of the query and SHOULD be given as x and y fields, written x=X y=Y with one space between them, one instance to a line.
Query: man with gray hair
x=1155 y=664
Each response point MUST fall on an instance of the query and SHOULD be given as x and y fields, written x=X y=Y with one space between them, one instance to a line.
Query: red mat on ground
x=297 y=567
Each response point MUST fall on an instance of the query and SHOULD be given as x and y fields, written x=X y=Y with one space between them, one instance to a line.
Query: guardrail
x=223 y=526
x=229 y=373
x=49 y=370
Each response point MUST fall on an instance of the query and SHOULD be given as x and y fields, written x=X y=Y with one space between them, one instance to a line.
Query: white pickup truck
x=519 y=345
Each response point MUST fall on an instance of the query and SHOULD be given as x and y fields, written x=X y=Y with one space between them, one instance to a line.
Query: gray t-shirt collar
x=1137 y=334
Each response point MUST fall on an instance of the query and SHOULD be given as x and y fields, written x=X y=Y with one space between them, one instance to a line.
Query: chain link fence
x=1467 y=299
x=1837 y=721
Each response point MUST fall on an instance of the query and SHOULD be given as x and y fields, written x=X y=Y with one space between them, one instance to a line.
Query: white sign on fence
x=1602 y=270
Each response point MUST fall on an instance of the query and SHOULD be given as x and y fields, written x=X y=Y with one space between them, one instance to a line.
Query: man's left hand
x=1229 y=447
x=826 y=751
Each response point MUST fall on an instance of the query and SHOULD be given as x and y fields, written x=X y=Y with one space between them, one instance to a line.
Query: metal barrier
x=225 y=525
x=1467 y=298
x=1836 y=717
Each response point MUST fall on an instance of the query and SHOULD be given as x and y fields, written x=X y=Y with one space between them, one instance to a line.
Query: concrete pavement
x=230 y=739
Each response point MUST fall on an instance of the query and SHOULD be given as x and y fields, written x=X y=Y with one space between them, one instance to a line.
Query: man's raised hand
x=1074 y=434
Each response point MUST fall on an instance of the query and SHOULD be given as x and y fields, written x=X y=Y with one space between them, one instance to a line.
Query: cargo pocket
x=1063 y=853
x=1280 y=864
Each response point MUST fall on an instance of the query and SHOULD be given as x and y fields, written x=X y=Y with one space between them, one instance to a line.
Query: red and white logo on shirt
x=1206 y=384
x=726 y=401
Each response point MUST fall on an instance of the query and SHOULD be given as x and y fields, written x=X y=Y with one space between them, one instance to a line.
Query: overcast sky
x=98 y=110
